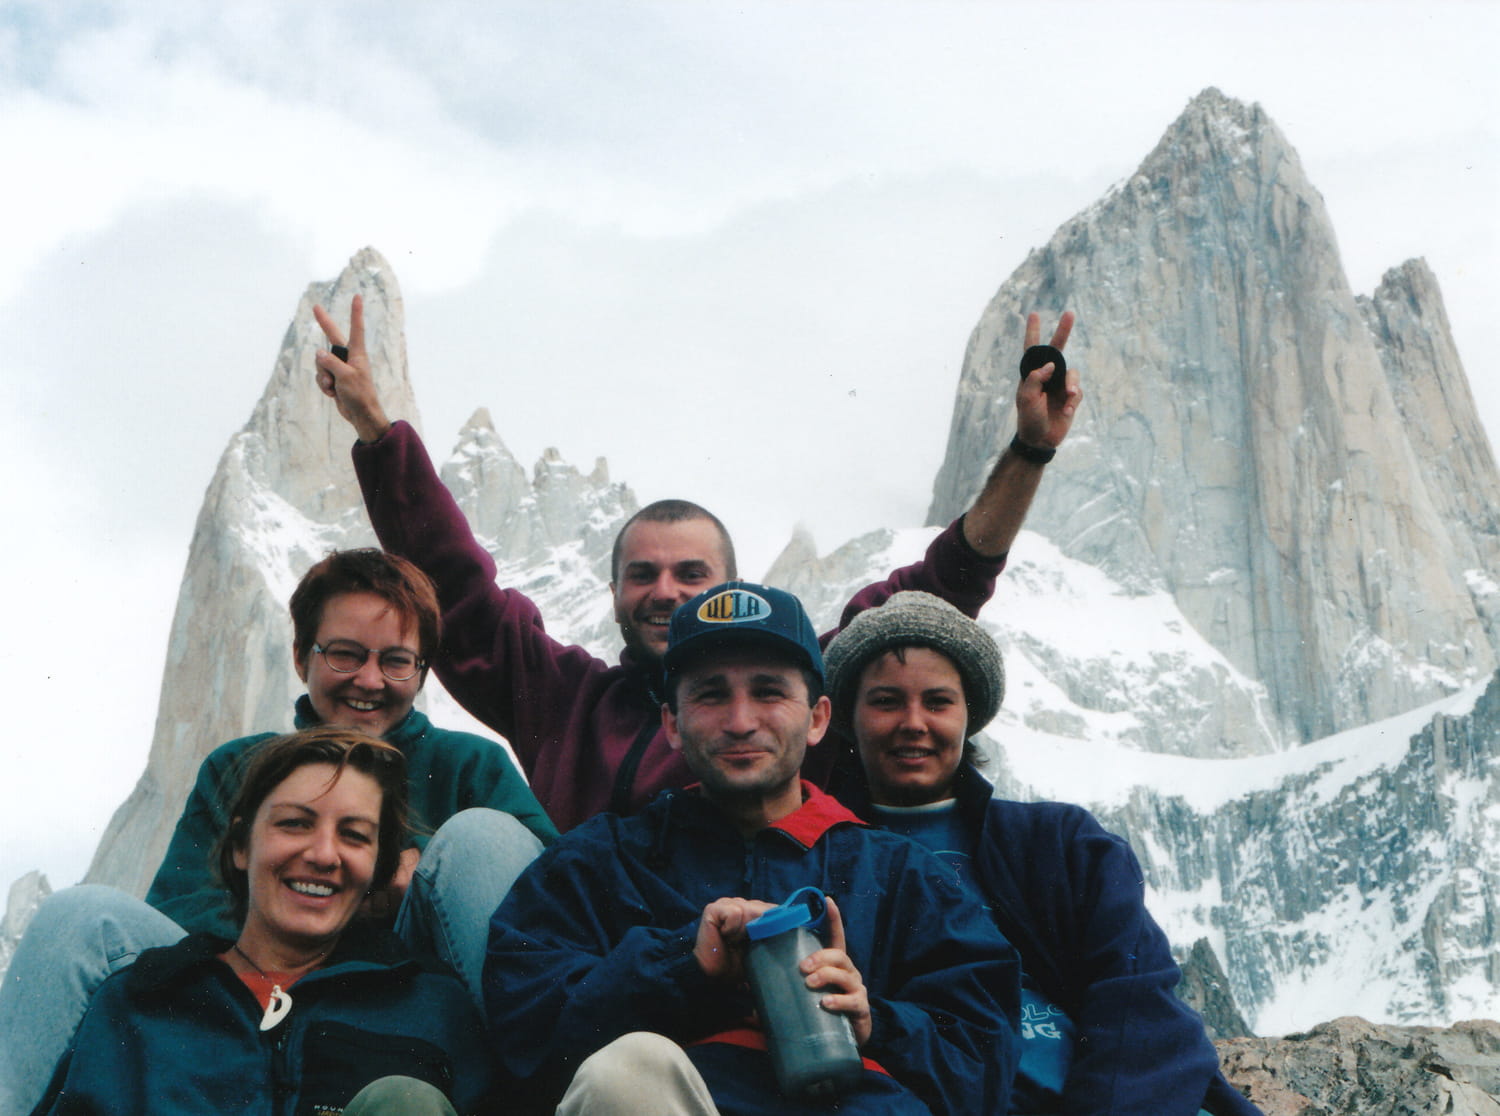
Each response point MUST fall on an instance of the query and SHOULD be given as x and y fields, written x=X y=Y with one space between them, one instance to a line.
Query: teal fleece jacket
x=446 y=772
x=178 y=1034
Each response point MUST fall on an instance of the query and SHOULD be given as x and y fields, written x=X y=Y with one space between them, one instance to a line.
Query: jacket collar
x=644 y=678
x=411 y=729
x=818 y=813
x=807 y=825
x=362 y=946
x=972 y=790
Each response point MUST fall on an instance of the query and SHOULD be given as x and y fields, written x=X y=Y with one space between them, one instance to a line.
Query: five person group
x=374 y=915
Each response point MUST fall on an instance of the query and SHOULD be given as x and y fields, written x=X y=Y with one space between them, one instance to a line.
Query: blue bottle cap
x=803 y=907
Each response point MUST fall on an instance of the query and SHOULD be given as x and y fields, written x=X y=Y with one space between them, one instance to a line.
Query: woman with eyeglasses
x=305 y=1009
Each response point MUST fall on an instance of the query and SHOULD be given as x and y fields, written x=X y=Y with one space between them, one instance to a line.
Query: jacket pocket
x=338 y=1060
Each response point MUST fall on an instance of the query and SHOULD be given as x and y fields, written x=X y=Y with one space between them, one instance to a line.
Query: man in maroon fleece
x=588 y=733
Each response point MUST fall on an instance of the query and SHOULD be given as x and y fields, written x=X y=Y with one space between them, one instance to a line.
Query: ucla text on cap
x=734 y=606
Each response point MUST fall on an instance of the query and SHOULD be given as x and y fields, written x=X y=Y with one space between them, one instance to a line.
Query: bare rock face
x=1350 y=1067
x=1205 y=988
x=284 y=495
x=1370 y=871
x=551 y=537
x=25 y=896
x=1240 y=446
x=1407 y=319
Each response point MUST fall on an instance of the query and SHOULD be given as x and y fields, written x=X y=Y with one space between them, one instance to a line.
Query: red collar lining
x=807 y=824
x=818 y=813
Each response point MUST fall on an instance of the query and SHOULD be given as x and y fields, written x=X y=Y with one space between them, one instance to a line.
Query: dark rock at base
x=1205 y=988
x=1351 y=1067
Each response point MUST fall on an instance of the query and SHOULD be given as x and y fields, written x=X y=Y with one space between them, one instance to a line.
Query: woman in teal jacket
x=302 y=1010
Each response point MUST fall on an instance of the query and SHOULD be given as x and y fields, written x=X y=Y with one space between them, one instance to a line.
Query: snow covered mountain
x=1301 y=470
x=1252 y=625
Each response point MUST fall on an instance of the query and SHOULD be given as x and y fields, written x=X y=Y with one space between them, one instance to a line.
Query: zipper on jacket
x=283 y=1084
x=619 y=799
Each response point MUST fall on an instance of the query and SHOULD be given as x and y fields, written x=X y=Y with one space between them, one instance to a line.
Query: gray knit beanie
x=913 y=619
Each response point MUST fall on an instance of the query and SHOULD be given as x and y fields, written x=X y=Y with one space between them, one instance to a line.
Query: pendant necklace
x=280 y=1003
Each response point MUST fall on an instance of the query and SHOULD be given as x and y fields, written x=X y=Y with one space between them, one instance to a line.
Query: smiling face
x=743 y=723
x=366 y=699
x=909 y=722
x=662 y=565
x=309 y=860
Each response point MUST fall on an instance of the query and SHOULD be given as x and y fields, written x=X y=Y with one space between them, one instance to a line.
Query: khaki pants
x=639 y=1074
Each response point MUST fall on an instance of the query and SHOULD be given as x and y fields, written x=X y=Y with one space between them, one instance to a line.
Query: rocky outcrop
x=551 y=536
x=1350 y=1067
x=1410 y=326
x=1240 y=446
x=283 y=495
x=21 y=902
x=1366 y=876
x=1205 y=988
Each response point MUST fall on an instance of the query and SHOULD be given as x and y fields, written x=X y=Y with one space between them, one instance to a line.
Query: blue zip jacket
x=179 y=1033
x=595 y=940
x=1070 y=896
x=445 y=772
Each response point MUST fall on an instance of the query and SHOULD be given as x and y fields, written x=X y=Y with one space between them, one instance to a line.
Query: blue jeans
x=77 y=938
x=82 y=935
x=465 y=871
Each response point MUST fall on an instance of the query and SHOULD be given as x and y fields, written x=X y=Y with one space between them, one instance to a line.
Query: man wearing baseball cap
x=615 y=978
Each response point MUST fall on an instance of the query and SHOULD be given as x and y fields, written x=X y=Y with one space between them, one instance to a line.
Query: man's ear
x=822 y=714
x=299 y=663
x=669 y=725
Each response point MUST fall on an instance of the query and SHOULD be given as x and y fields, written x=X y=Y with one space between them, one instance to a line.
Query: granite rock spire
x=1279 y=456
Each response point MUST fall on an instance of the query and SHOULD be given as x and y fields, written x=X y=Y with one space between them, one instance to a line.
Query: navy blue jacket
x=595 y=940
x=179 y=1033
x=1069 y=895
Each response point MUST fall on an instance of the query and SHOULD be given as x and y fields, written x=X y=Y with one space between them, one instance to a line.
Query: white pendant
x=276 y=1009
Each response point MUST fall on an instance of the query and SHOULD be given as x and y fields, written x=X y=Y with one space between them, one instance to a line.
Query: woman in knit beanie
x=965 y=684
x=1101 y=1027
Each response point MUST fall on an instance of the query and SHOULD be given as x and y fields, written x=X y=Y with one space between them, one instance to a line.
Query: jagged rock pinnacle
x=1239 y=445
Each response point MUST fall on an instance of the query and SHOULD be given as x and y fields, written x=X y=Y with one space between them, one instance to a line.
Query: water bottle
x=812 y=1050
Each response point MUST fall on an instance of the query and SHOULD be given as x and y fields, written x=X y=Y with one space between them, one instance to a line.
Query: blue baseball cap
x=737 y=613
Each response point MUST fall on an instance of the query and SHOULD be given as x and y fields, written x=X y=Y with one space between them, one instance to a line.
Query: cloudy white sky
x=600 y=214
